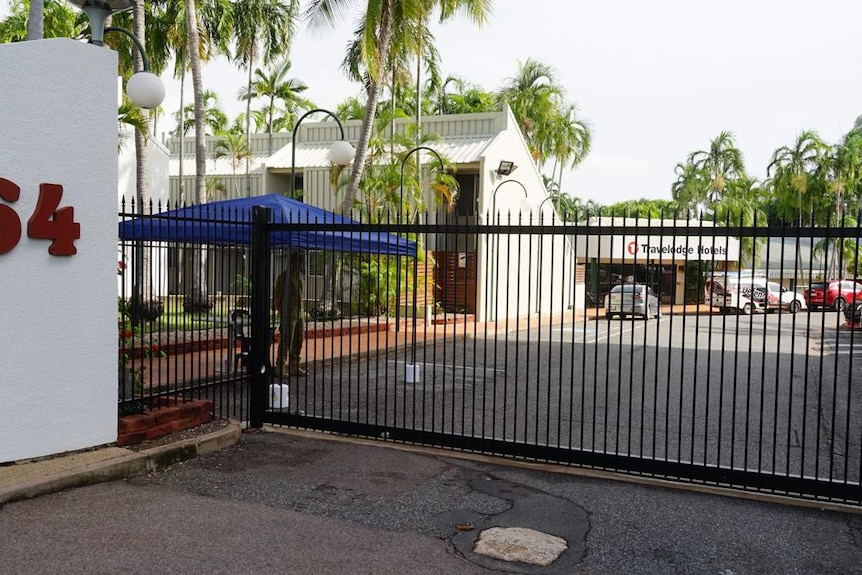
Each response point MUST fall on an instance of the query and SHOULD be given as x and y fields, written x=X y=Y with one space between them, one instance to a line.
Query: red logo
x=632 y=248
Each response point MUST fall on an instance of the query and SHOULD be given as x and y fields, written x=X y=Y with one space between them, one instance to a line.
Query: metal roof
x=465 y=150
x=316 y=155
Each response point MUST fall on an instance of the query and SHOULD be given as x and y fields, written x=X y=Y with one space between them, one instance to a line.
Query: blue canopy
x=229 y=222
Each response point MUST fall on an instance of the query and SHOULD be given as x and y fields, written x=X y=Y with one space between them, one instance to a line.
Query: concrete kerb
x=123 y=465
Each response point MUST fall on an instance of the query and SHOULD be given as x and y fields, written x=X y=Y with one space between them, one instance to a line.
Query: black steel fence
x=526 y=337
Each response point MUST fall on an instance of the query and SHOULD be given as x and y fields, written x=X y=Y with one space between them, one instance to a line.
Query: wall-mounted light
x=145 y=89
x=506 y=167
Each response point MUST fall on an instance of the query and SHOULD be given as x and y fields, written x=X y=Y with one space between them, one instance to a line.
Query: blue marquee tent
x=229 y=222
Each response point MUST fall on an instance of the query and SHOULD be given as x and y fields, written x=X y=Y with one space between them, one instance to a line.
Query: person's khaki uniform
x=292 y=324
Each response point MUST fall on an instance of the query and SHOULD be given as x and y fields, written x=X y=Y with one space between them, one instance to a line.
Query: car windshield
x=626 y=289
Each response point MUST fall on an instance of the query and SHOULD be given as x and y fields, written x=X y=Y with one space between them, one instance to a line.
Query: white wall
x=58 y=369
x=519 y=274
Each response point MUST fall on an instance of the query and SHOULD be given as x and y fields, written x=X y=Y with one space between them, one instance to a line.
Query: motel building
x=664 y=254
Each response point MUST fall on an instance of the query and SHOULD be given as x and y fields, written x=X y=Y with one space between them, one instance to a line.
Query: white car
x=781 y=298
x=632 y=299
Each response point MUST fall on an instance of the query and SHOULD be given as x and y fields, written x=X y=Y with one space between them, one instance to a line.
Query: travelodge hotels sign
x=650 y=249
x=664 y=246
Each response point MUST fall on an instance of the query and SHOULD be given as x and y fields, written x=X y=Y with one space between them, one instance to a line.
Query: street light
x=340 y=152
x=403 y=162
x=494 y=196
x=145 y=89
x=542 y=203
x=398 y=260
x=492 y=271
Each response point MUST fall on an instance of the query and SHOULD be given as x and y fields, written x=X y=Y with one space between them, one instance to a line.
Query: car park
x=632 y=299
x=833 y=294
x=783 y=299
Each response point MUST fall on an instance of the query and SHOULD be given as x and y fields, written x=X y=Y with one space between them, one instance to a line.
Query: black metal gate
x=761 y=397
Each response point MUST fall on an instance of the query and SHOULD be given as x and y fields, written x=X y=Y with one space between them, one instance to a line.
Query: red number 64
x=48 y=222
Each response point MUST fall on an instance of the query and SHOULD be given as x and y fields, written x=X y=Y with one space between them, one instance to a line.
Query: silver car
x=632 y=299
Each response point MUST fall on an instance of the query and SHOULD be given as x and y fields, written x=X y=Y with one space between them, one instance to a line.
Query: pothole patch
x=519 y=544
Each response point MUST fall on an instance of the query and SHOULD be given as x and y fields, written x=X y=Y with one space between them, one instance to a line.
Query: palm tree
x=570 y=141
x=379 y=19
x=234 y=146
x=792 y=171
x=276 y=88
x=62 y=21
x=261 y=28
x=215 y=119
x=534 y=96
x=35 y=23
x=689 y=189
x=719 y=165
x=350 y=109
x=169 y=38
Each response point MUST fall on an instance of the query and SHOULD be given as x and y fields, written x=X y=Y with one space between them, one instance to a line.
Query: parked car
x=736 y=292
x=834 y=294
x=781 y=298
x=632 y=299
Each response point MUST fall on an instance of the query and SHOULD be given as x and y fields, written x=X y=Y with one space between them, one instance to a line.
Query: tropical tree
x=718 y=166
x=792 y=172
x=34 y=21
x=534 y=97
x=261 y=28
x=465 y=98
x=379 y=20
x=282 y=96
x=550 y=125
x=233 y=146
x=569 y=141
x=350 y=109
x=215 y=120
x=689 y=189
x=742 y=204
x=652 y=209
x=59 y=20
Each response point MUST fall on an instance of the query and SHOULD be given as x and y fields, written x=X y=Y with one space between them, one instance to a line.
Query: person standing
x=292 y=324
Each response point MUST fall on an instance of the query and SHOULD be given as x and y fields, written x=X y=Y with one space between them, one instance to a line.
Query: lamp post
x=398 y=261
x=340 y=152
x=542 y=203
x=497 y=242
x=403 y=162
x=497 y=189
x=145 y=89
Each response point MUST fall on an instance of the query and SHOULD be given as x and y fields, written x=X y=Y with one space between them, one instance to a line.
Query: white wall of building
x=58 y=328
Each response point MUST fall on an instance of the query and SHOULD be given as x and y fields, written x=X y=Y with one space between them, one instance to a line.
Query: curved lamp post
x=398 y=261
x=145 y=89
x=542 y=203
x=496 y=236
x=497 y=189
x=403 y=162
x=340 y=152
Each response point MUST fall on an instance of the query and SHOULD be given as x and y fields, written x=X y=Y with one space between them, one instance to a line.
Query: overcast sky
x=655 y=80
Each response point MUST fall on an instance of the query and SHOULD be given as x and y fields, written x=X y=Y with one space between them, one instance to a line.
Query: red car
x=835 y=294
